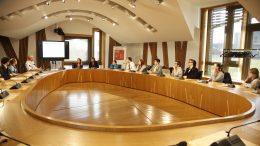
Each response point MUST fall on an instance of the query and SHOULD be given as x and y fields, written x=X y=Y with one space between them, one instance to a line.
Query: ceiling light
x=114 y=6
x=48 y=3
x=114 y=24
x=88 y=20
x=78 y=0
x=45 y=17
x=159 y=2
x=63 y=1
x=132 y=4
x=70 y=18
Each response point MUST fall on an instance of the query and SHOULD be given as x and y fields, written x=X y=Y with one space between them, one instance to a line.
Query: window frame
x=206 y=16
x=79 y=36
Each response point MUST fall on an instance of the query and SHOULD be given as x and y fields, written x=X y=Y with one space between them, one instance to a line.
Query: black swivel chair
x=227 y=78
x=199 y=75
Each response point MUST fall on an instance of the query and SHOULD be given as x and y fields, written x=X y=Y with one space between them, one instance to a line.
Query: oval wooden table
x=229 y=104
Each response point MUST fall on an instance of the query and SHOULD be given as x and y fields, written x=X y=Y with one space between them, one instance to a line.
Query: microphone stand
x=26 y=79
x=229 y=131
x=1 y=134
x=16 y=86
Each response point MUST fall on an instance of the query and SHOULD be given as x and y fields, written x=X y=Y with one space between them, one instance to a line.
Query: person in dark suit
x=93 y=63
x=191 y=72
x=78 y=65
x=5 y=72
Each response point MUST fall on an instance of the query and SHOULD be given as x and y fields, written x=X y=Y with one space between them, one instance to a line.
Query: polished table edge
x=114 y=128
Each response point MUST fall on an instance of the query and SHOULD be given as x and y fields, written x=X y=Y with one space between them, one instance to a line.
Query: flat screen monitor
x=55 y=50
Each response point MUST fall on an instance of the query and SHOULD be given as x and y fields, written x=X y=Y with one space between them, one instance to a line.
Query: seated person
x=191 y=72
x=78 y=64
x=30 y=65
x=217 y=75
x=156 y=68
x=12 y=67
x=177 y=70
x=5 y=72
x=93 y=63
x=130 y=65
x=252 y=81
x=141 y=66
x=114 y=65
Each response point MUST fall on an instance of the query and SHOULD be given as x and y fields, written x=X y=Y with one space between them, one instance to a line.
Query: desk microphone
x=182 y=143
x=32 y=76
x=16 y=86
x=232 y=140
x=26 y=80
x=1 y=134
x=3 y=94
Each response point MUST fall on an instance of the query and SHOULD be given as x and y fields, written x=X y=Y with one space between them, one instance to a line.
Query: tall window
x=78 y=48
x=225 y=25
x=97 y=45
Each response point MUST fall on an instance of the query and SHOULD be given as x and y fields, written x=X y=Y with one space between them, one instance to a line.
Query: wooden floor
x=104 y=104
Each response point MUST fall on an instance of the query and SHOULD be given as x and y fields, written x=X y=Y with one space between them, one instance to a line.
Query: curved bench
x=227 y=104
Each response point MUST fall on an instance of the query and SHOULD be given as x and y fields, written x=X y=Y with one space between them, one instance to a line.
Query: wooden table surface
x=228 y=103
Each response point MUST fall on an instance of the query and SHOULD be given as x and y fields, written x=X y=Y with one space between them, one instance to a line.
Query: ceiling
x=172 y=20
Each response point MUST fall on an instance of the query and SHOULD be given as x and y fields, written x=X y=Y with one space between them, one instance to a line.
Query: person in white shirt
x=30 y=65
x=253 y=81
x=177 y=70
x=217 y=75
x=130 y=65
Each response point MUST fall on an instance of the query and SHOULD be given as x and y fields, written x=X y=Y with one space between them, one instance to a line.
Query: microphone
x=231 y=85
x=32 y=76
x=229 y=131
x=1 y=134
x=203 y=81
x=26 y=80
x=16 y=86
x=182 y=143
x=232 y=140
x=3 y=94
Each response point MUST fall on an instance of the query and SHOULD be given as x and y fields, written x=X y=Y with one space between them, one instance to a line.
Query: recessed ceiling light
x=70 y=18
x=114 y=24
x=63 y=1
x=45 y=17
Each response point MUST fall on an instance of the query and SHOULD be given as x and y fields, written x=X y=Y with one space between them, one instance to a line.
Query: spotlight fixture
x=70 y=18
x=63 y=1
x=45 y=17
x=159 y=2
x=48 y=3
x=114 y=24
x=132 y=4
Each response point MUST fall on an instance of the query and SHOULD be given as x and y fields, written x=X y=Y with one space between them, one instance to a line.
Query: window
x=97 y=45
x=79 y=48
x=224 y=31
x=255 y=62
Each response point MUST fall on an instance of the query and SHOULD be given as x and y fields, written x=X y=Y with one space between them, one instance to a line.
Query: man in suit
x=191 y=72
x=157 y=68
x=5 y=72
